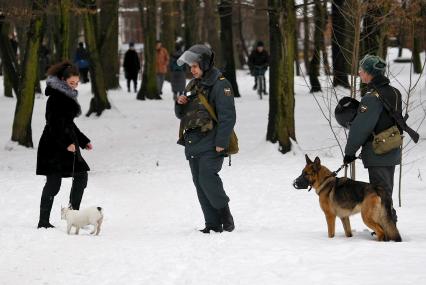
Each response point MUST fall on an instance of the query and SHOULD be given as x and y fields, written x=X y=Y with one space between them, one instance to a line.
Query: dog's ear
x=317 y=164
x=308 y=160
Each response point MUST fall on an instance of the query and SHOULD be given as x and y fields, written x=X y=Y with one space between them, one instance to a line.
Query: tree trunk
x=340 y=74
x=260 y=21
x=315 y=62
x=149 y=80
x=190 y=18
x=417 y=64
x=8 y=90
x=64 y=29
x=325 y=19
x=212 y=28
x=225 y=13
x=374 y=32
x=281 y=101
x=75 y=28
x=306 y=35
x=109 y=43
x=169 y=24
x=417 y=30
x=243 y=51
x=21 y=131
x=99 y=101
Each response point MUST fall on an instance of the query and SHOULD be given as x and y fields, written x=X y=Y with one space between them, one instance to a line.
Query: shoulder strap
x=386 y=104
x=206 y=105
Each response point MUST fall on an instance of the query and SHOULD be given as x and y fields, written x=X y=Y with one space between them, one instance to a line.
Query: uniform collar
x=210 y=77
x=378 y=81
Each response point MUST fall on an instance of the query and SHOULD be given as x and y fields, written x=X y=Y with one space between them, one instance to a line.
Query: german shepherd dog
x=343 y=197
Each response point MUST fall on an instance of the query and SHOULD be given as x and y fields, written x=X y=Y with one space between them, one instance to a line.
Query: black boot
x=44 y=219
x=79 y=183
x=207 y=229
x=227 y=219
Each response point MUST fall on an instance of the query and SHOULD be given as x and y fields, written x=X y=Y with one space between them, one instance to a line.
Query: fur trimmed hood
x=62 y=87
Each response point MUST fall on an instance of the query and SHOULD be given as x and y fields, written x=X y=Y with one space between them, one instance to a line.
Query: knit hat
x=373 y=64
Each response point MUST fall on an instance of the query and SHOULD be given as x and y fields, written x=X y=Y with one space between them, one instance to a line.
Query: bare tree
x=340 y=64
x=226 y=36
x=190 y=18
x=281 y=127
x=99 y=102
x=149 y=83
x=108 y=43
x=212 y=29
x=21 y=130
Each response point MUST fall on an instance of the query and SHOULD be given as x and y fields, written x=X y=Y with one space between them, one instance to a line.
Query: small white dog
x=80 y=218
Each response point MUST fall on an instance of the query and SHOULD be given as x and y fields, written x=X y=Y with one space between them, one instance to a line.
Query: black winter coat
x=60 y=131
x=131 y=64
x=258 y=59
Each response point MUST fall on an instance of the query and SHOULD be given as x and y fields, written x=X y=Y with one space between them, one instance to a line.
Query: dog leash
x=72 y=175
x=334 y=173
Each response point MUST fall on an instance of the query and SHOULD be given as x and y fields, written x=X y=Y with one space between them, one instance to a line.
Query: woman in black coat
x=58 y=150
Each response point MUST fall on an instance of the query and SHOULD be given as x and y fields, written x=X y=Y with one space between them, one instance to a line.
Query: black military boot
x=44 y=219
x=207 y=229
x=227 y=219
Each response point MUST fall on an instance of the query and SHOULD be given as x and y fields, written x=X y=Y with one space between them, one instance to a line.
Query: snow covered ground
x=142 y=180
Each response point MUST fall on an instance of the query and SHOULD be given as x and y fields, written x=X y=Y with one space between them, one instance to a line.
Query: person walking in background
x=178 y=73
x=161 y=65
x=81 y=59
x=58 y=152
x=131 y=65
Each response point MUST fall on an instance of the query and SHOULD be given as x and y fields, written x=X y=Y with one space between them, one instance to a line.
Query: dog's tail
x=388 y=223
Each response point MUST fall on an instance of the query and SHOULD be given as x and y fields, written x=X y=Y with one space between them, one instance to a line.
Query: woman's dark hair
x=63 y=70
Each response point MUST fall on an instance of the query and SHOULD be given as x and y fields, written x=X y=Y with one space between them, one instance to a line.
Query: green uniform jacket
x=371 y=118
x=221 y=98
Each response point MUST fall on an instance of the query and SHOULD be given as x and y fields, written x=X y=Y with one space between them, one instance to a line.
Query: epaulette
x=222 y=78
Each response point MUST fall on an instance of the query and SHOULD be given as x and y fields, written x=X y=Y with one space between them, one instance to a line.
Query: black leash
x=72 y=174
x=334 y=173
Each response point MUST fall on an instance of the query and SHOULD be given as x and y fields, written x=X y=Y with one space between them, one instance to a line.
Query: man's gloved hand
x=348 y=158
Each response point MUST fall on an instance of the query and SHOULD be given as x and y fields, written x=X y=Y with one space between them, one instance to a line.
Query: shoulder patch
x=227 y=91
x=363 y=108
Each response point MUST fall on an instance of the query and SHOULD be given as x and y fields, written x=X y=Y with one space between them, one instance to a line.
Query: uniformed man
x=372 y=117
x=205 y=140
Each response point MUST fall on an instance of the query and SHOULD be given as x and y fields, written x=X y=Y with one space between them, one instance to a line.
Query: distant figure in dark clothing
x=178 y=73
x=131 y=66
x=81 y=59
x=258 y=64
x=44 y=59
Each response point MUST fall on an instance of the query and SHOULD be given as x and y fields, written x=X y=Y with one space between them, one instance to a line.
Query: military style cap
x=373 y=65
